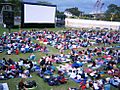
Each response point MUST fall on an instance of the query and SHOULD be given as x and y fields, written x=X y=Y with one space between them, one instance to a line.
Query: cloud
x=84 y=5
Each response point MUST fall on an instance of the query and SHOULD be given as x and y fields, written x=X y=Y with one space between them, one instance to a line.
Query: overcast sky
x=84 y=5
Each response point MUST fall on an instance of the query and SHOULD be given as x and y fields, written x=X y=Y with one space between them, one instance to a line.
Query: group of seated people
x=86 y=67
x=24 y=41
x=11 y=69
x=56 y=58
x=17 y=42
x=71 y=39
x=47 y=72
x=96 y=68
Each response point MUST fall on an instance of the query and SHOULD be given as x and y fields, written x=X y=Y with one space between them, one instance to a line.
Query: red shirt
x=83 y=87
x=12 y=67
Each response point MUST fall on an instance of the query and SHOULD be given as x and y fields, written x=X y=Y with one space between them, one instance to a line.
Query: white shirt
x=9 y=51
x=22 y=49
x=95 y=85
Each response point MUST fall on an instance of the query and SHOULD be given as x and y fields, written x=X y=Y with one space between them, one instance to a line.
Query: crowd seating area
x=95 y=67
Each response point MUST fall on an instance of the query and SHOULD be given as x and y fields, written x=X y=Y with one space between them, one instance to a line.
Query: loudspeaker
x=8 y=18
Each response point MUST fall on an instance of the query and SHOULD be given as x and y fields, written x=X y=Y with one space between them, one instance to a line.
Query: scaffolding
x=97 y=8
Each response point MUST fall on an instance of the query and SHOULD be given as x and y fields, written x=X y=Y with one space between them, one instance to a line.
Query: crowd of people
x=11 y=69
x=24 y=41
x=82 y=66
x=48 y=72
x=72 y=39
x=20 y=42
x=90 y=71
x=93 y=67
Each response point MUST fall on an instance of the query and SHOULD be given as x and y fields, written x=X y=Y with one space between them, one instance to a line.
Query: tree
x=59 y=13
x=17 y=6
x=45 y=2
x=75 y=11
x=113 y=13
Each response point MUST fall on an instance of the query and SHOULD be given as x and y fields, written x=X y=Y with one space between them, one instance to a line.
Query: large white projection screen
x=39 y=14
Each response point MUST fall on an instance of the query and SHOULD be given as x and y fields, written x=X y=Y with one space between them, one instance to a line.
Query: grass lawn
x=2 y=29
x=40 y=83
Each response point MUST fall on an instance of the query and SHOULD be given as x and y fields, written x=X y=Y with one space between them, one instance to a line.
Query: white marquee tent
x=82 y=23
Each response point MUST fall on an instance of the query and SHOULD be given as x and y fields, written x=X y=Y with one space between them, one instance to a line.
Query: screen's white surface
x=39 y=14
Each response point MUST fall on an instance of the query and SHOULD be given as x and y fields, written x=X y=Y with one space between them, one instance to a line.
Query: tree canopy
x=113 y=13
x=44 y=2
x=75 y=11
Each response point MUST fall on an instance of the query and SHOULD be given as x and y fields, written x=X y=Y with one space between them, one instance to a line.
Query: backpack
x=31 y=84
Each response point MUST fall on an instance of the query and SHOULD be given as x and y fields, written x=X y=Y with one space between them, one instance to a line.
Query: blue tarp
x=79 y=80
x=48 y=72
x=76 y=65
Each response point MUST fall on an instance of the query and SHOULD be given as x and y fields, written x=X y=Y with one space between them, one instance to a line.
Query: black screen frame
x=35 y=25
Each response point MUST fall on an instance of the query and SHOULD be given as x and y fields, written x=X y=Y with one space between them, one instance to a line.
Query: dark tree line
x=113 y=13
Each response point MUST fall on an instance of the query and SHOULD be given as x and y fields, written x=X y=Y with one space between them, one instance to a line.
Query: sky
x=86 y=6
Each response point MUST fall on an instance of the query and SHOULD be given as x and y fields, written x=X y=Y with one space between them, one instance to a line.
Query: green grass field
x=41 y=85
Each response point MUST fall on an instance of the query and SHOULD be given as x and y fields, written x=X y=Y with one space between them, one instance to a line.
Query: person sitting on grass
x=32 y=57
x=23 y=49
x=16 y=51
x=21 y=85
x=9 y=52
